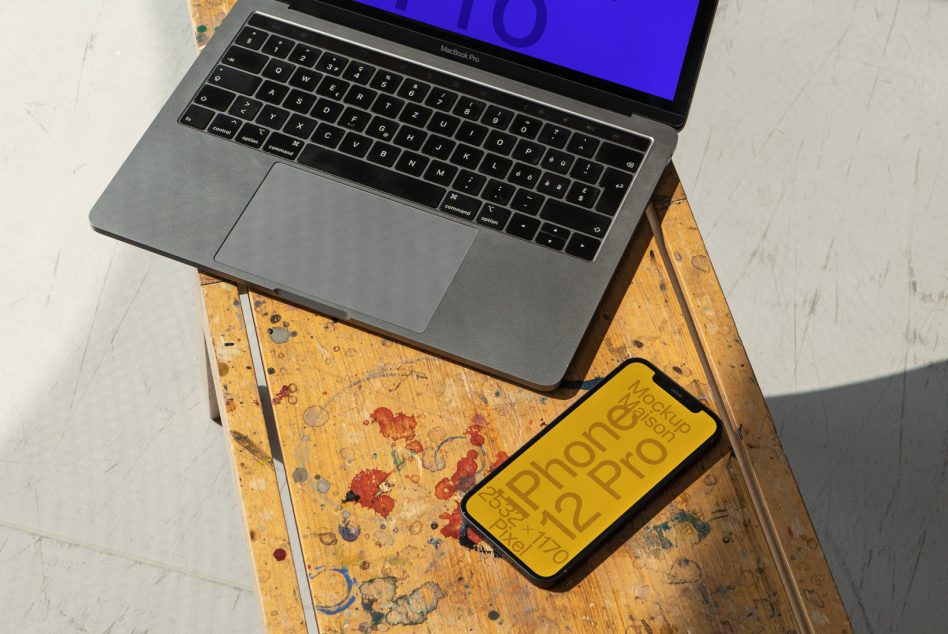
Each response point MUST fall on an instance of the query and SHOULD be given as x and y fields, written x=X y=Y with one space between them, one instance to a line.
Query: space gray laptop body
x=420 y=272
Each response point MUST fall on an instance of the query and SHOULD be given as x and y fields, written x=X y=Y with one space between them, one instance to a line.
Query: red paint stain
x=499 y=460
x=474 y=431
x=462 y=480
x=279 y=554
x=370 y=488
x=444 y=489
x=453 y=528
x=414 y=446
x=286 y=392
x=394 y=426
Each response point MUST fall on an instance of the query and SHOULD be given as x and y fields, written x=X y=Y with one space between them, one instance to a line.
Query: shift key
x=577 y=218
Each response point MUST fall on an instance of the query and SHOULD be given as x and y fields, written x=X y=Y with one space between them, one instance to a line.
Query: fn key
x=582 y=246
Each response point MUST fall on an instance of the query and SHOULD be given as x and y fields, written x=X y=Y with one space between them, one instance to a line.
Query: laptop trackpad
x=353 y=248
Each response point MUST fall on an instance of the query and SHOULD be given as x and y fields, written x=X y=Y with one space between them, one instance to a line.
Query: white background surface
x=814 y=160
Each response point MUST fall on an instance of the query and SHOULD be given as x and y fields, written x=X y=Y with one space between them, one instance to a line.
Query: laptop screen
x=632 y=43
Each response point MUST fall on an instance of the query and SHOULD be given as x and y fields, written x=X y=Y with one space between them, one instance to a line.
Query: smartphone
x=554 y=501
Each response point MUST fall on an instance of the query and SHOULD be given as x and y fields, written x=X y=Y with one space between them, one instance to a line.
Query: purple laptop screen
x=633 y=43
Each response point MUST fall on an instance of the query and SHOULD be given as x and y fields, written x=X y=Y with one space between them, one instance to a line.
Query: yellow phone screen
x=580 y=475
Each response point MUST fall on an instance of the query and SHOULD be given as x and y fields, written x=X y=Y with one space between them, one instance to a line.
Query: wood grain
x=244 y=425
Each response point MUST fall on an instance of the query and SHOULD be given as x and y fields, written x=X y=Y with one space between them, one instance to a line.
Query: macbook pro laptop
x=461 y=175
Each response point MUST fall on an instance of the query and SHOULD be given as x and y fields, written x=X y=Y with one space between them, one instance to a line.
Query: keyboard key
x=358 y=72
x=620 y=157
x=526 y=127
x=332 y=63
x=525 y=176
x=441 y=99
x=467 y=156
x=461 y=205
x=553 y=185
x=472 y=133
x=300 y=126
x=252 y=135
x=415 y=115
x=385 y=180
x=469 y=108
x=496 y=166
x=583 y=144
x=583 y=246
x=469 y=183
x=282 y=145
x=305 y=55
x=299 y=101
x=586 y=171
x=383 y=154
x=382 y=128
x=554 y=135
x=412 y=163
x=355 y=144
x=498 y=192
x=553 y=230
x=411 y=138
x=278 y=70
x=214 y=97
x=414 y=90
x=277 y=46
x=438 y=147
x=444 y=124
x=332 y=87
x=557 y=161
x=355 y=119
x=251 y=38
x=272 y=92
x=551 y=242
x=523 y=226
x=245 y=60
x=245 y=108
x=615 y=185
x=273 y=117
x=328 y=110
x=306 y=79
x=527 y=202
x=497 y=117
x=328 y=135
x=360 y=96
x=493 y=216
x=575 y=218
x=582 y=195
x=386 y=81
x=500 y=142
x=441 y=173
x=528 y=152
x=197 y=117
x=388 y=106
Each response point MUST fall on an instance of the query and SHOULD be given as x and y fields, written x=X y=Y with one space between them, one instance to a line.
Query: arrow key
x=583 y=246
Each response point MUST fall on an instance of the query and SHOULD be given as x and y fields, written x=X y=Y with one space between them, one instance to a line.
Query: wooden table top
x=372 y=434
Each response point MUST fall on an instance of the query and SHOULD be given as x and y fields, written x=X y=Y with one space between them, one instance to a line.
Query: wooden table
x=370 y=436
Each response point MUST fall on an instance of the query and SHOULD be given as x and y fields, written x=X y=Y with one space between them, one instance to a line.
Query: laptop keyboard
x=481 y=155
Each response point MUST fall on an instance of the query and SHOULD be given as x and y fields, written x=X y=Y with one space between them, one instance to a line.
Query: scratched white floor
x=812 y=159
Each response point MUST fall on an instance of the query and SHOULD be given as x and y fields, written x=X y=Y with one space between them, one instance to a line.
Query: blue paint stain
x=576 y=384
x=349 y=533
x=348 y=600
x=702 y=528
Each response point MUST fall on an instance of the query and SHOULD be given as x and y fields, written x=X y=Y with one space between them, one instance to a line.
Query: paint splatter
x=498 y=460
x=251 y=447
x=328 y=539
x=322 y=484
x=315 y=416
x=493 y=615
x=278 y=335
x=461 y=481
x=394 y=426
x=380 y=599
x=202 y=29
x=287 y=392
x=453 y=528
x=415 y=527
x=370 y=490
x=702 y=529
x=326 y=583
x=279 y=554
x=474 y=432
x=300 y=474
x=414 y=446
x=348 y=532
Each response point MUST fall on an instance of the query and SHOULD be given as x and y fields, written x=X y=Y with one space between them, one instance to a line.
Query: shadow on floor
x=871 y=460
